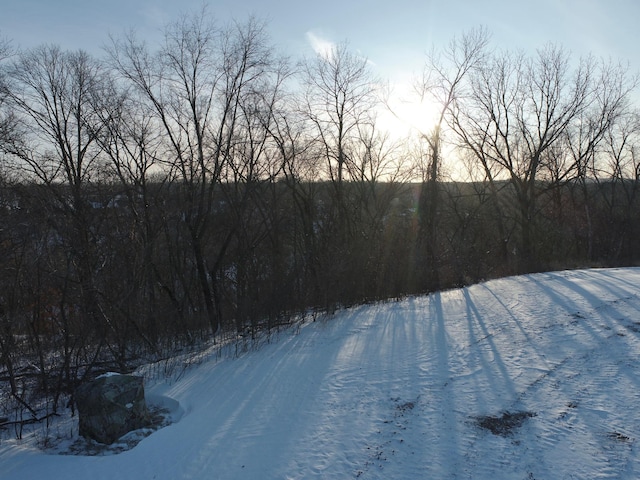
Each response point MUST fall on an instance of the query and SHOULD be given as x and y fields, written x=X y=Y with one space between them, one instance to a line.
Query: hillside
x=526 y=377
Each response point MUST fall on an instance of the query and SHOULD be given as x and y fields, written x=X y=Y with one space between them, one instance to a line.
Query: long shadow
x=614 y=285
x=495 y=371
x=587 y=313
x=556 y=286
x=509 y=312
x=442 y=394
x=618 y=275
x=276 y=386
x=617 y=287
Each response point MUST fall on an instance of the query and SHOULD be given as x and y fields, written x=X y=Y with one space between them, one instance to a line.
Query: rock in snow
x=110 y=406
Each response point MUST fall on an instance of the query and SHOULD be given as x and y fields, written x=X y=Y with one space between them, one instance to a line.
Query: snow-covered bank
x=400 y=390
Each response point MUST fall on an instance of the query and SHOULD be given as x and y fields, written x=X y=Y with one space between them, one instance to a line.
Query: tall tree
x=6 y=121
x=131 y=141
x=598 y=141
x=520 y=111
x=59 y=98
x=195 y=86
x=443 y=83
x=338 y=102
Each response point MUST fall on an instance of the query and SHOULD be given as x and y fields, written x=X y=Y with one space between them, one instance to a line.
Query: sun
x=405 y=114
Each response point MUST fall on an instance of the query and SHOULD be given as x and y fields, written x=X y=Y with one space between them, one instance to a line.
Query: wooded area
x=209 y=187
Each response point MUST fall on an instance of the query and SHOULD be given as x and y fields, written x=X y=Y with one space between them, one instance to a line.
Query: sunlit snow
x=530 y=377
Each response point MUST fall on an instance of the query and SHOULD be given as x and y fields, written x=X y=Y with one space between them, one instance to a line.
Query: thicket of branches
x=209 y=187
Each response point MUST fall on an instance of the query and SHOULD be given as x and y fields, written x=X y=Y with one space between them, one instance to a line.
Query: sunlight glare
x=405 y=113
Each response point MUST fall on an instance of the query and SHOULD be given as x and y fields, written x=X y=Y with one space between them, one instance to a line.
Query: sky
x=393 y=34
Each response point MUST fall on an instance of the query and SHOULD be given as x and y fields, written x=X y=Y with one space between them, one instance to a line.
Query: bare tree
x=613 y=178
x=443 y=82
x=249 y=189
x=608 y=119
x=300 y=167
x=380 y=174
x=58 y=101
x=520 y=111
x=57 y=96
x=131 y=140
x=339 y=101
x=195 y=86
x=7 y=123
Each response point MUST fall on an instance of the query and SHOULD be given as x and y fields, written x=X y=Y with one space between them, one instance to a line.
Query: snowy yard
x=531 y=377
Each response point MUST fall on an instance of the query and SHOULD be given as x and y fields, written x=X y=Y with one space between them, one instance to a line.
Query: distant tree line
x=209 y=187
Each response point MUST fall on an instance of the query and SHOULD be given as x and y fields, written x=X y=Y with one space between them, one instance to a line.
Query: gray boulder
x=110 y=406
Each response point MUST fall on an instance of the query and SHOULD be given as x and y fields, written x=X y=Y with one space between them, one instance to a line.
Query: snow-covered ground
x=406 y=390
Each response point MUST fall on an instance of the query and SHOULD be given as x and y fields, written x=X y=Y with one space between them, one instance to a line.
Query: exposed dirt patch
x=390 y=436
x=619 y=437
x=634 y=327
x=505 y=424
x=402 y=408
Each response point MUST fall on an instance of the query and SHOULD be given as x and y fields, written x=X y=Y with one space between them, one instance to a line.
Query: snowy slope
x=405 y=390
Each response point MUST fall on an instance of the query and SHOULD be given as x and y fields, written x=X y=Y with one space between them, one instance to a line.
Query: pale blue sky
x=393 y=34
